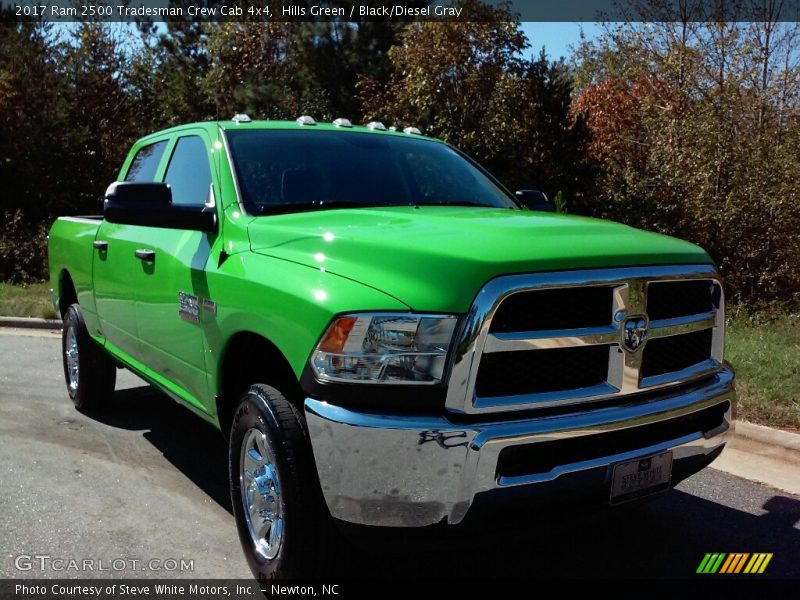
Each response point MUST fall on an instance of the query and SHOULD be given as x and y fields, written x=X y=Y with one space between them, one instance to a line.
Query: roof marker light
x=241 y=118
x=412 y=131
x=376 y=126
x=342 y=123
x=306 y=120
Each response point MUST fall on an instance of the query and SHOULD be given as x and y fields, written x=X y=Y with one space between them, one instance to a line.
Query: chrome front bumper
x=412 y=471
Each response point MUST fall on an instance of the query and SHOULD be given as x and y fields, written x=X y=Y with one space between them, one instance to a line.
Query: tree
x=691 y=125
x=99 y=111
x=169 y=72
x=280 y=69
x=33 y=130
x=338 y=53
x=468 y=83
x=258 y=68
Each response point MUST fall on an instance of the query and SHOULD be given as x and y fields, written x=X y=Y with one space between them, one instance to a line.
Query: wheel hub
x=261 y=494
x=71 y=354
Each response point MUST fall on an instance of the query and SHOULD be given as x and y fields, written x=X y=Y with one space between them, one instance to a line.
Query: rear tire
x=283 y=524
x=88 y=370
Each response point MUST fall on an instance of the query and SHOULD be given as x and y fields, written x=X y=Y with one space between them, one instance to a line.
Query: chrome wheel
x=71 y=353
x=261 y=494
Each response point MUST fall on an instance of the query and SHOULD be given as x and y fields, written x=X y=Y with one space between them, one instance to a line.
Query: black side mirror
x=150 y=204
x=534 y=200
x=130 y=193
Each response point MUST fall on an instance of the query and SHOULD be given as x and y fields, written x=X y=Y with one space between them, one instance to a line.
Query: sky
x=557 y=37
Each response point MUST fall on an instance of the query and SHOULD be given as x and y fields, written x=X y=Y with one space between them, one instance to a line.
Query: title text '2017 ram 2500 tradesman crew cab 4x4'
x=384 y=333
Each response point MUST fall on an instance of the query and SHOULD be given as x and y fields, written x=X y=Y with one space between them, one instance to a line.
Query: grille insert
x=675 y=353
x=530 y=459
x=563 y=308
x=670 y=299
x=537 y=371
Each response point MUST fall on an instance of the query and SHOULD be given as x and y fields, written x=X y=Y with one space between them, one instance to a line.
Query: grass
x=766 y=356
x=26 y=301
x=765 y=351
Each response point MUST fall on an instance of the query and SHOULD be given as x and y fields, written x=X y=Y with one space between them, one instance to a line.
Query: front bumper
x=412 y=471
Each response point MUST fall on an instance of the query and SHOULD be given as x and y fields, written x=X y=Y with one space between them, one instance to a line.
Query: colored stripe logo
x=735 y=562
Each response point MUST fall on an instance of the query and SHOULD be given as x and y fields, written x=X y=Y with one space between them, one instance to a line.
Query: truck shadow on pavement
x=666 y=537
x=190 y=444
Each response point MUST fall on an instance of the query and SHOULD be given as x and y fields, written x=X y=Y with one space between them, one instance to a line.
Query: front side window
x=288 y=171
x=145 y=163
x=188 y=172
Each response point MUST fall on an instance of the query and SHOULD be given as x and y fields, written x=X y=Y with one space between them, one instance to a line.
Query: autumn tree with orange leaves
x=695 y=129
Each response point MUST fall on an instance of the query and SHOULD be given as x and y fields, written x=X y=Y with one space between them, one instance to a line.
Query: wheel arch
x=67 y=294
x=249 y=358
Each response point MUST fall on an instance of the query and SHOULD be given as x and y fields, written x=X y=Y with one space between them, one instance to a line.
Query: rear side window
x=145 y=164
x=188 y=172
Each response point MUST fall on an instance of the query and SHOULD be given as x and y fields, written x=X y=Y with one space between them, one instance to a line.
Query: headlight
x=385 y=348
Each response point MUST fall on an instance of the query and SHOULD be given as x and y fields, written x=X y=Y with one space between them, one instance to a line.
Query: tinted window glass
x=283 y=168
x=145 y=164
x=188 y=172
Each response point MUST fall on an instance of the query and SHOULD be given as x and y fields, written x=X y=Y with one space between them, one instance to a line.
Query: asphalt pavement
x=144 y=484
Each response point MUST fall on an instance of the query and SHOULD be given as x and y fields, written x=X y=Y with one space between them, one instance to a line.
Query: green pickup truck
x=385 y=334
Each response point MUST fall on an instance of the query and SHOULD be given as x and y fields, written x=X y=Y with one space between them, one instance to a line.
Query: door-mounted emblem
x=189 y=307
x=634 y=332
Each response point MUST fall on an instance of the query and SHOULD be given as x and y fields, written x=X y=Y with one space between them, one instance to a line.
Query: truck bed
x=69 y=245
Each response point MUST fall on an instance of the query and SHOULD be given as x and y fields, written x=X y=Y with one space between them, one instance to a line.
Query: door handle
x=100 y=245
x=145 y=255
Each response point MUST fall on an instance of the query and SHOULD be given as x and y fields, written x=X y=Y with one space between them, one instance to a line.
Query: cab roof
x=232 y=125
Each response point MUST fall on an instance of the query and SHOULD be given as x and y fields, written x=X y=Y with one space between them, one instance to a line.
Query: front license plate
x=640 y=477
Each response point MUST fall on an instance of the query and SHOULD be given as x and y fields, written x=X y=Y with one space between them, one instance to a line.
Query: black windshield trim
x=281 y=209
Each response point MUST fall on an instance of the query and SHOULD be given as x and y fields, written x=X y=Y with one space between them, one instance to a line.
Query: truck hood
x=436 y=258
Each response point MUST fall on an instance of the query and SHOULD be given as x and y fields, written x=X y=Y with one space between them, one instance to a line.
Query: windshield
x=289 y=171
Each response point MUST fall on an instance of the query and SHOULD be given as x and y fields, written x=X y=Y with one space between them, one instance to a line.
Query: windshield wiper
x=280 y=209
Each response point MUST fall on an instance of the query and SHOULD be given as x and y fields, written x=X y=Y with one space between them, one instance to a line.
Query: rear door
x=173 y=298
x=117 y=272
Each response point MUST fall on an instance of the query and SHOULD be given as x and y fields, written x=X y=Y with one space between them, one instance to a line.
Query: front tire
x=89 y=372
x=280 y=515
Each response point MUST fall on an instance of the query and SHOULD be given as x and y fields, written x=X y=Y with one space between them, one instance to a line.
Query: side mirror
x=150 y=204
x=534 y=200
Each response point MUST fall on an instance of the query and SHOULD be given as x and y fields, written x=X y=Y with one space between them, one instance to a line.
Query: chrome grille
x=526 y=360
